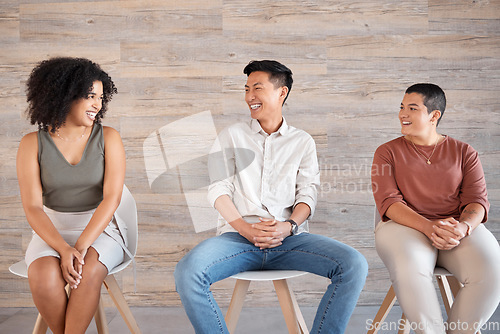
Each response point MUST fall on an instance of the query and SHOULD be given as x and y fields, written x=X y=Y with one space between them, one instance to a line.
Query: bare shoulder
x=110 y=134
x=107 y=130
x=27 y=154
x=112 y=140
x=29 y=141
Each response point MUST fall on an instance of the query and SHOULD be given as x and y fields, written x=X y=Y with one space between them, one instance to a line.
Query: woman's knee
x=493 y=280
x=476 y=260
x=44 y=275
x=409 y=266
x=93 y=271
x=488 y=275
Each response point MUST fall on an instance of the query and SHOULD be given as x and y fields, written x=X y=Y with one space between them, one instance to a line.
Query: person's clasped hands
x=72 y=262
x=267 y=233
x=447 y=233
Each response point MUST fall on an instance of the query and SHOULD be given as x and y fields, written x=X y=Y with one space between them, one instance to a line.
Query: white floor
x=156 y=320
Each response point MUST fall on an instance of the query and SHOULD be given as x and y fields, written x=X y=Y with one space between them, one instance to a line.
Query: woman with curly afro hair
x=71 y=173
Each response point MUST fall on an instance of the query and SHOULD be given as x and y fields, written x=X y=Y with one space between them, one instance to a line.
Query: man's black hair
x=279 y=74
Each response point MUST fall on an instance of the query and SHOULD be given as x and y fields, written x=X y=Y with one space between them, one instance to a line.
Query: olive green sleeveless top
x=72 y=188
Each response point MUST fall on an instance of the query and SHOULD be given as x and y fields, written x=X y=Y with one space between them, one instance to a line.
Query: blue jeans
x=220 y=257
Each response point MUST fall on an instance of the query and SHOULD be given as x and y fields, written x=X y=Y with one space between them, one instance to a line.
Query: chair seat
x=268 y=275
x=291 y=311
x=19 y=269
x=442 y=271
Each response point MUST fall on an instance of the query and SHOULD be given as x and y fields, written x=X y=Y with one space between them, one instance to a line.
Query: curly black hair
x=55 y=83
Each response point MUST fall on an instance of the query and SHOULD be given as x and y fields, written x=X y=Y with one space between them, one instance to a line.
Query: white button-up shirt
x=264 y=175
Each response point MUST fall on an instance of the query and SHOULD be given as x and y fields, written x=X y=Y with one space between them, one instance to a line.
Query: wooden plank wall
x=351 y=60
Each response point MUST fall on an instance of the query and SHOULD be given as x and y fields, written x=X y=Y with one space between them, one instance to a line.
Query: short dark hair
x=279 y=74
x=55 y=83
x=433 y=95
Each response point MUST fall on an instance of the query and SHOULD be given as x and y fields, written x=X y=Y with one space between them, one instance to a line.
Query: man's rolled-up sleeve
x=308 y=178
x=221 y=168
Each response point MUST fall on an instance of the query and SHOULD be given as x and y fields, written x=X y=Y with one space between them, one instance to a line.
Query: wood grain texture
x=352 y=61
x=466 y=17
x=316 y=19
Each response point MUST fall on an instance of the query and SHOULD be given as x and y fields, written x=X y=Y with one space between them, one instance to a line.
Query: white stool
x=293 y=317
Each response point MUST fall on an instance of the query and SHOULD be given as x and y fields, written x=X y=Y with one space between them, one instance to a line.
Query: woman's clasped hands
x=447 y=233
x=72 y=262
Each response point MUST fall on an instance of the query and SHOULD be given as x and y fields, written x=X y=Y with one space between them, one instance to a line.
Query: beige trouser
x=410 y=258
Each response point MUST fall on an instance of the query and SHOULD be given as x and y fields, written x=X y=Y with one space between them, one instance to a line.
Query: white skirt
x=109 y=245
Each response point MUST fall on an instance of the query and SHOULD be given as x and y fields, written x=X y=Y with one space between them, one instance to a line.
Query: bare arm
x=114 y=175
x=473 y=214
x=404 y=215
x=30 y=186
x=441 y=239
x=300 y=213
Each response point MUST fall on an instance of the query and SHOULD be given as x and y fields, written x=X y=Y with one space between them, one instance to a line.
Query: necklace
x=74 y=140
x=428 y=159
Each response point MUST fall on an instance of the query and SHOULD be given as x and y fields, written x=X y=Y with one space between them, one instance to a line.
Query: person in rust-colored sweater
x=431 y=195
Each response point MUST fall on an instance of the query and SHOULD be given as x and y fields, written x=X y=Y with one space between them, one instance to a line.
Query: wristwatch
x=294 y=228
x=469 y=227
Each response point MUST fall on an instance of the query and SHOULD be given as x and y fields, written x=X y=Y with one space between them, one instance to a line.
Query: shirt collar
x=283 y=130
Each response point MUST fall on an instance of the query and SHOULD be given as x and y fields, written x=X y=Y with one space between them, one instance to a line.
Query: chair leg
x=298 y=314
x=121 y=304
x=406 y=326
x=385 y=308
x=40 y=325
x=286 y=303
x=100 y=319
x=444 y=288
x=455 y=285
x=236 y=304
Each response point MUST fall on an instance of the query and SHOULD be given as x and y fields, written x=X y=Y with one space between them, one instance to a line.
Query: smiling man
x=264 y=210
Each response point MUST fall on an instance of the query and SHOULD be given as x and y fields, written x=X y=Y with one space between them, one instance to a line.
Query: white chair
x=291 y=311
x=128 y=211
x=448 y=286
